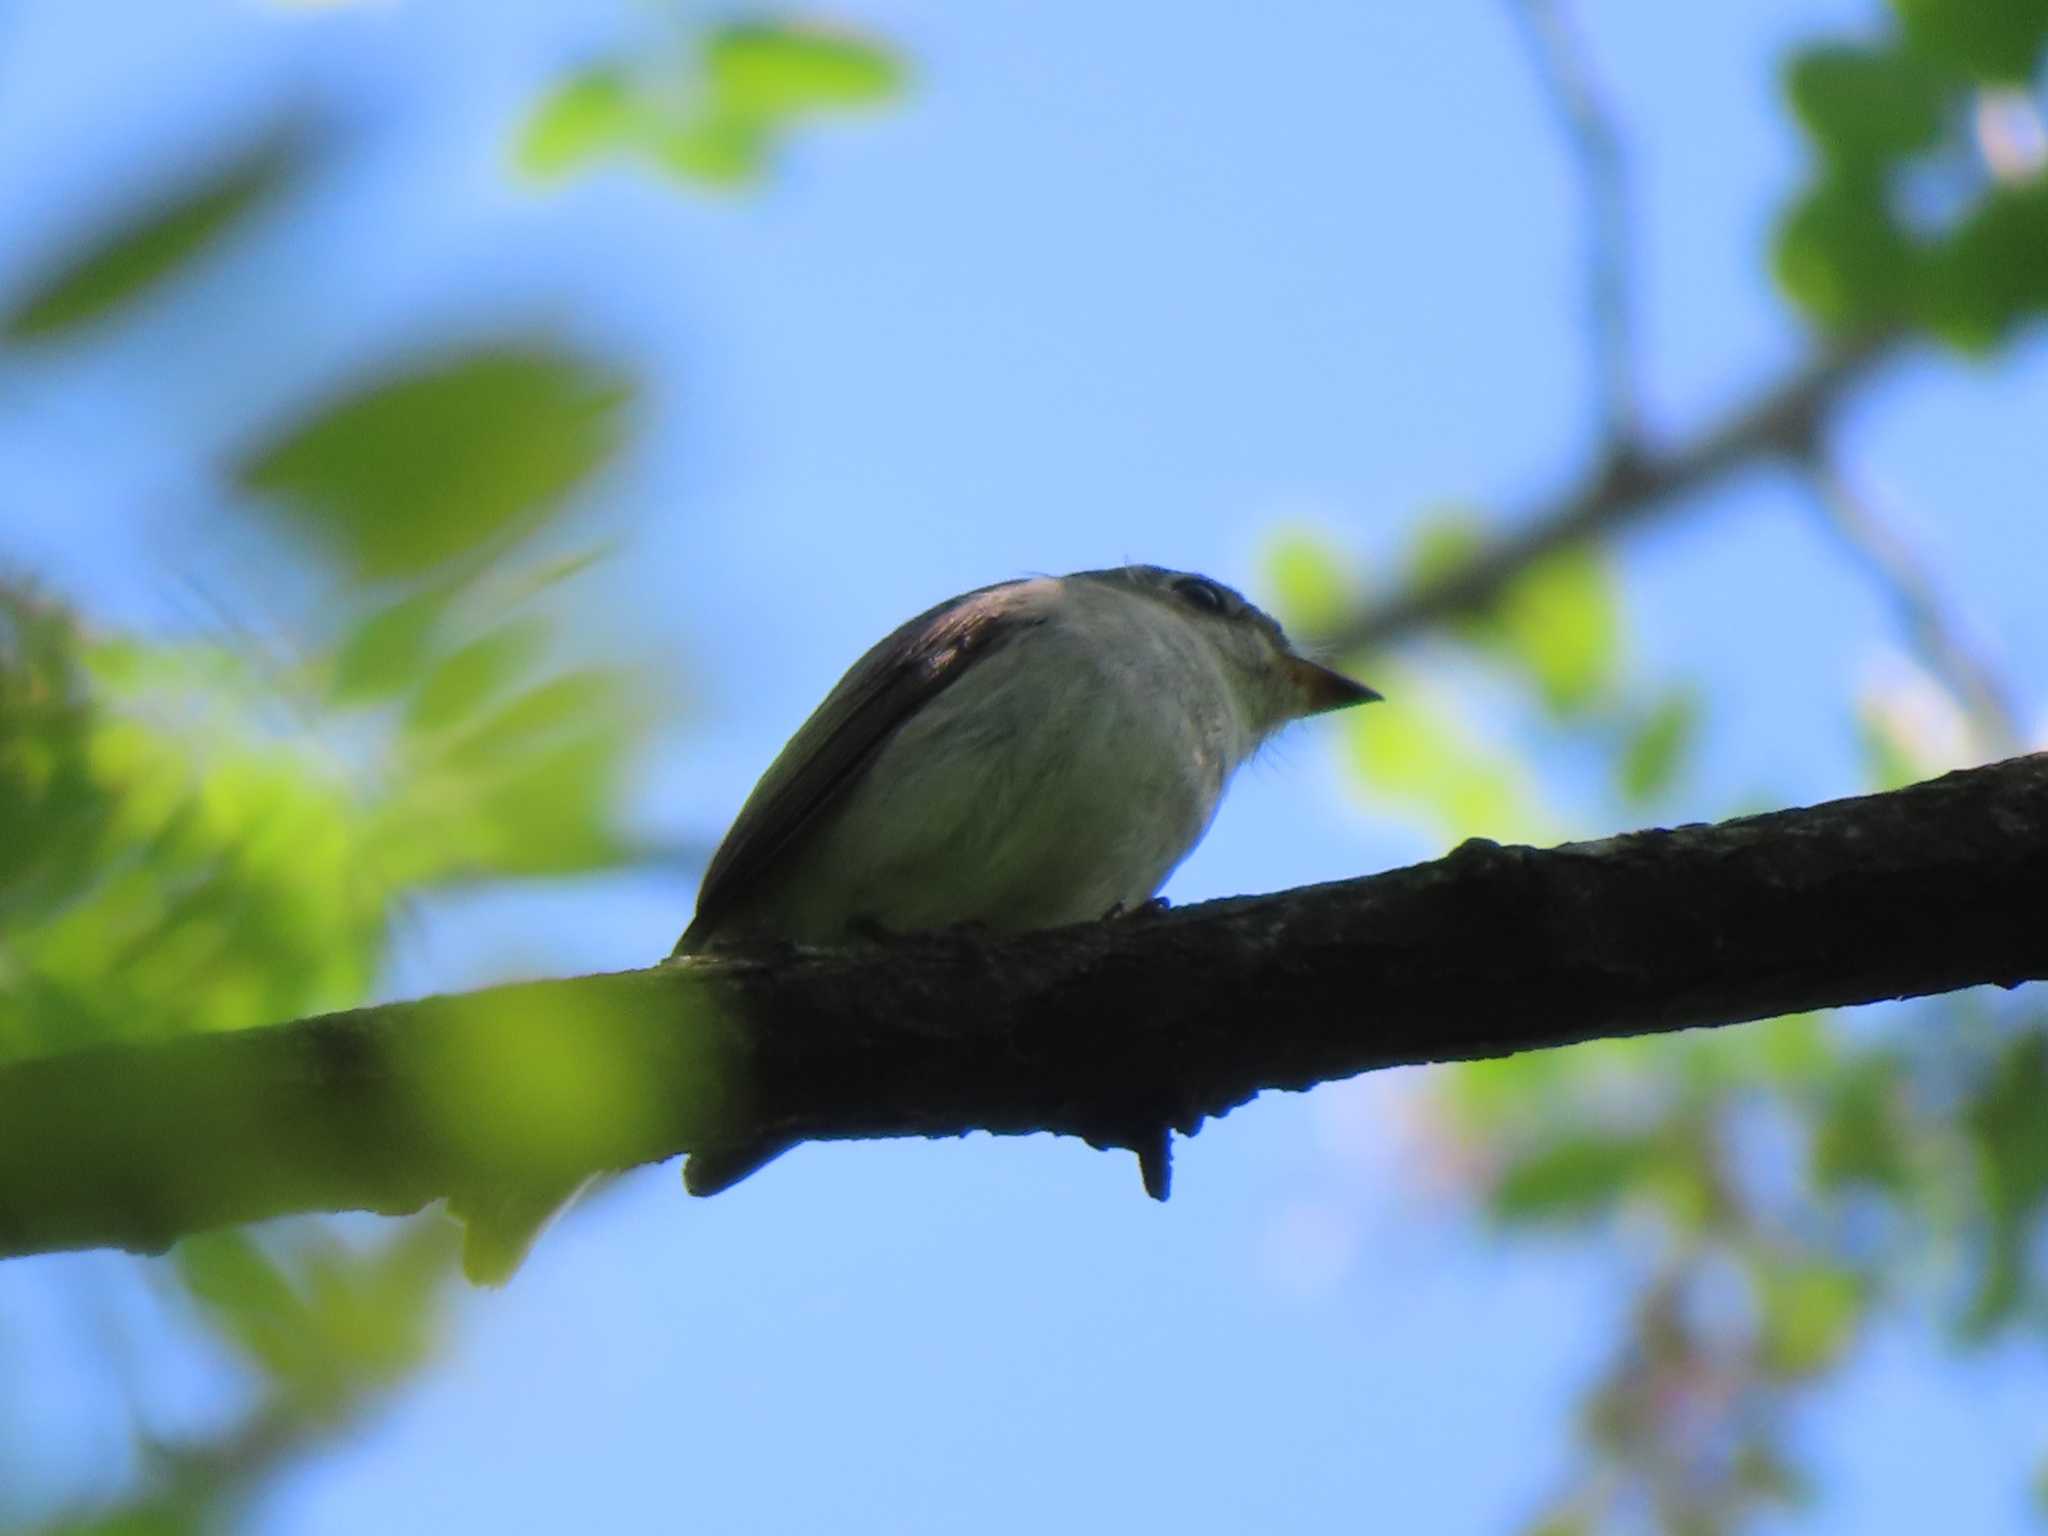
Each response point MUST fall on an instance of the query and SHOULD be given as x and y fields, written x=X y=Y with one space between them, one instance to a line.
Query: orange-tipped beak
x=1323 y=690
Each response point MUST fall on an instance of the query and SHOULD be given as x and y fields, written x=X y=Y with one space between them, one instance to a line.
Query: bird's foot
x=1124 y=911
x=1155 y=1163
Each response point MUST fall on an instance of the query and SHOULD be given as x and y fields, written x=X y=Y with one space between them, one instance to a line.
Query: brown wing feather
x=830 y=751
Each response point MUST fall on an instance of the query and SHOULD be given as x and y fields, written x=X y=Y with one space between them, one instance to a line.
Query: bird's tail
x=717 y=1168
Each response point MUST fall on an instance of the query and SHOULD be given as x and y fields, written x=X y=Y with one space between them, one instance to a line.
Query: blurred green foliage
x=194 y=837
x=198 y=833
x=150 y=248
x=1767 y=1193
x=714 y=115
x=447 y=462
x=1896 y=125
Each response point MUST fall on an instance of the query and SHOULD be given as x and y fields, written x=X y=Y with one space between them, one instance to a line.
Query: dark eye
x=1200 y=592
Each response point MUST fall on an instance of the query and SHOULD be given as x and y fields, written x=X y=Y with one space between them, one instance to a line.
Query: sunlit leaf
x=770 y=69
x=376 y=1311
x=387 y=650
x=586 y=116
x=258 y=1308
x=1445 y=540
x=1312 y=589
x=717 y=147
x=1796 y=1049
x=1809 y=1315
x=1657 y=748
x=54 y=811
x=151 y=247
x=444 y=461
x=1573 y=1176
x=1412 y=754
x=473 y=674
x=1561 y=620
x=1890 y=761
x=527 y=788
x=325 y=1323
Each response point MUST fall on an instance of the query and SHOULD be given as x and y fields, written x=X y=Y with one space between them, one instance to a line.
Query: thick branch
x=1782 y=423
x=1105 y=1031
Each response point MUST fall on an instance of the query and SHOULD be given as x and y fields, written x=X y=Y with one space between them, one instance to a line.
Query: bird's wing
x=833 y=748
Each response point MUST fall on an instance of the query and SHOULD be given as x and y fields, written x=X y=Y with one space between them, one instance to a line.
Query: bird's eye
x=1200 y=592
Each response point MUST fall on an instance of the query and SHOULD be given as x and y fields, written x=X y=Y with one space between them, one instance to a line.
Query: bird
x=1030 y=754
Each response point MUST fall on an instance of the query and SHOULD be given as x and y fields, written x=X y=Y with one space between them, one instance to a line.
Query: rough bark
x=1107 y=1031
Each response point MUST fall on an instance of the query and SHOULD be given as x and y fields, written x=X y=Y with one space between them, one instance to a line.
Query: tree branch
x=1106 y=1031
x=1565 y=73
x=1784 y=422
x=1933 y=630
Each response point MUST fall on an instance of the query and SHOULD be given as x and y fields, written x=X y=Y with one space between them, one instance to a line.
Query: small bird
x=1026 y=755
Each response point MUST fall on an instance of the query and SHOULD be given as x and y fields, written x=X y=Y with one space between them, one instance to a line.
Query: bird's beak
x=1323 y=690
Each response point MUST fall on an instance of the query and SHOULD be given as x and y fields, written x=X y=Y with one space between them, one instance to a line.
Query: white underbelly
x=1029 y=796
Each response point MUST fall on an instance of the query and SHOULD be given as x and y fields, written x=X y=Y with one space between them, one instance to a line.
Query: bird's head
x=1277 y=682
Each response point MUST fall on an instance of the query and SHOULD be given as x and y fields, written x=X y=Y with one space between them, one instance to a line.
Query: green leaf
x=257 y=1307
x=1891 y=760
x=587 y=115
x=1867 y=106
x=2011 y=1135
x=1561 y=620
x=1992 y=273
x=177 y=1513
x=385 y=652
x=1810 y=1314
x=1312 y=590
x=151 y=247
x=1572 y=1177
x=527 y=789
x=1658 y=747
x=1409 y=752
x=776 y=70
x=1842 y=258
x=471 y=675
x=718 y=147
x=376 y=1311
x=439 y=463
x=1999 y=41
x=327 y=1324
x=1861 y=1132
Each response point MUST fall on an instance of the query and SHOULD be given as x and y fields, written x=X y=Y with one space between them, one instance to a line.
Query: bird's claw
x=1122 y=911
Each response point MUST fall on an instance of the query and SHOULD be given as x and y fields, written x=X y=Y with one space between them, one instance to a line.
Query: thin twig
x=1782 y=422
x=1903 y=575
x=1562 y=66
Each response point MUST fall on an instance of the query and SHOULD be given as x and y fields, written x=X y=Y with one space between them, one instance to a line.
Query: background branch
x=1565 y=72
x=1932 y=630
x=1782 y=422
x=1105 y=1031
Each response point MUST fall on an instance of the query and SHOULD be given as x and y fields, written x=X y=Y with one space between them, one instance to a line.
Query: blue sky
x=1117 y=283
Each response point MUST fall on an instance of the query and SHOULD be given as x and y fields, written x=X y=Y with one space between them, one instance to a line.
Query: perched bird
x=1028 y=754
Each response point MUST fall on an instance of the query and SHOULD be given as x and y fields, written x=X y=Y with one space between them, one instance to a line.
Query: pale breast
x=1043 y=789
